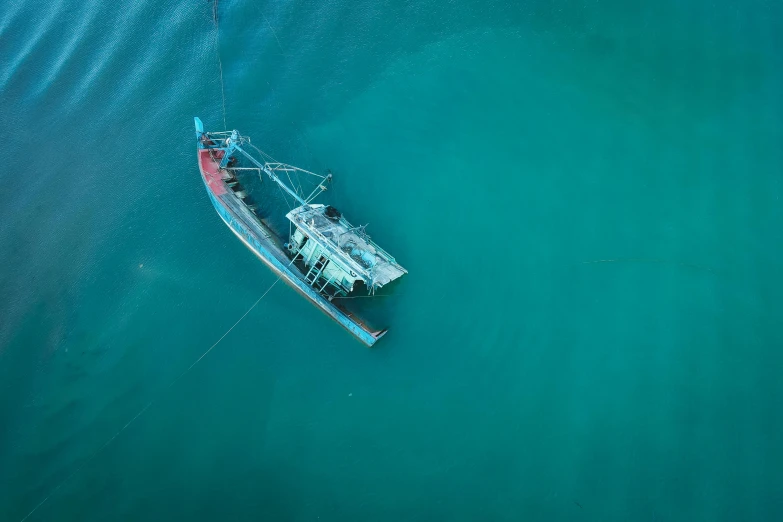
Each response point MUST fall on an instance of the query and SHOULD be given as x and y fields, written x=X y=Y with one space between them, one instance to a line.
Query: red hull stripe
x=211 y=172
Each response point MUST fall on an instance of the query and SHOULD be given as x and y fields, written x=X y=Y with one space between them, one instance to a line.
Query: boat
x=325 y=258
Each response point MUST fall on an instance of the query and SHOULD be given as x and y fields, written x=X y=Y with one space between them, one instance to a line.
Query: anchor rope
x=373 y=296
x=150 y=403
x=220 y=62
x=172 y=383
x=651 y=260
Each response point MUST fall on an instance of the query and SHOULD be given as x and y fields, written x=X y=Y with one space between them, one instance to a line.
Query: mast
x=233 y=144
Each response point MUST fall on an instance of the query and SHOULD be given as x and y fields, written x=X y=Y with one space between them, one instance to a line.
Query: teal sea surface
x=586 y=195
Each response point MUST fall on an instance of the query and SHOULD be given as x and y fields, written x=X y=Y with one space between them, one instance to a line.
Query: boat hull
x=262 y=242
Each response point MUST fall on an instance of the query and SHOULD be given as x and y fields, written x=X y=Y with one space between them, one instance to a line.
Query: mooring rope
x=650 y=260
x=361 y=296
x=220 y=62
x=145 y=408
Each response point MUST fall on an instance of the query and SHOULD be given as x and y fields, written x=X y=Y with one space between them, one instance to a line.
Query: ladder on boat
x=316 y=269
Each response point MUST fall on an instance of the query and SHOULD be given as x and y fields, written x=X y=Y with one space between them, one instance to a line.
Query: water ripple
x=37 y=35
x=86 y=17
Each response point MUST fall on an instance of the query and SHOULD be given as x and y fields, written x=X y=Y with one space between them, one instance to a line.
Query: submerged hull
x=264 y=244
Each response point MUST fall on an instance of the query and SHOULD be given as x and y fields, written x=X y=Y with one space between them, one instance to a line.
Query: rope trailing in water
x=651 y=260
x=145 y=408
x=220 y=62
x=373 y=296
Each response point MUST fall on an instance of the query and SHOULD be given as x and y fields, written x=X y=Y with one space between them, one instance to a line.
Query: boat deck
x=348 y=243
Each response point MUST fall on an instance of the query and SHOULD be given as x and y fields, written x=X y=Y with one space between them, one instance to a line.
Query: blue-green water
x=587 y=196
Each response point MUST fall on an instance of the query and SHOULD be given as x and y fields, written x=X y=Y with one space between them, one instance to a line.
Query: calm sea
x=586 y=194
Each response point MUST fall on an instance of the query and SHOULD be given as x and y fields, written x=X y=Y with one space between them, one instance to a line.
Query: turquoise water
x=587 y=196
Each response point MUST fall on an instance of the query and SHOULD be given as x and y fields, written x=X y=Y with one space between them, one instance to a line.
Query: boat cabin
x=336 y=254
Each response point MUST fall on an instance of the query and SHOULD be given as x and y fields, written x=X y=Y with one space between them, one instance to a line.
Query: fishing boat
x=325 y=258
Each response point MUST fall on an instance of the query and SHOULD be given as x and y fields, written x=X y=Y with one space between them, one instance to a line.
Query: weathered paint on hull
x=268 y=251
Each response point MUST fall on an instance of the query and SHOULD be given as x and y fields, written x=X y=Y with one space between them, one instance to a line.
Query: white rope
x=373 y=296
x=290 y=207
x=274 y=33
x=650 y=260
x=145 y=408
x=293 y=186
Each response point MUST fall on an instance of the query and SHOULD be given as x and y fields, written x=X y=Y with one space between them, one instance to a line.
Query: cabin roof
x=347 y=244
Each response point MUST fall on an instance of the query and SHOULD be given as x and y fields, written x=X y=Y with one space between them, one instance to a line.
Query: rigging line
x=273 y=160
x=307 y=172
x=145 y=408
x=284 y=198
x=298 y=182
x=264 y=153
x=288 y=174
